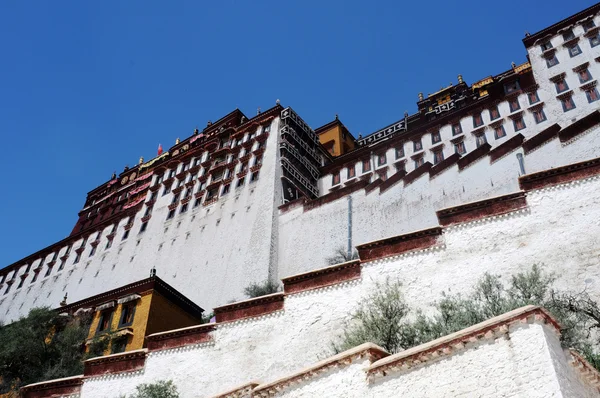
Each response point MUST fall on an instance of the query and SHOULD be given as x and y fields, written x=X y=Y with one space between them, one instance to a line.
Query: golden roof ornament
x=277 y=101
x=177 y=141
x=420 y=96
x=460 y=79
x=141 y=160
x=64 y=301
x=258 y=111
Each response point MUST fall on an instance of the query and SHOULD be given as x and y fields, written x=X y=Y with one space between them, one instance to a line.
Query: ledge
x=322 y=277
x=373 y=185
x=332 y=196
x=243 y=391
x=580 y=126
x=560 y=175
x=399 y=244
x=485 y=208
x=541 y=138
x=68 y=386
x=473 y=156
x=416 y=173
x=250 y=308
x=448 y=344
x=369 y=351
x=292 y=204
x=506 y=147
x=180 y=337
x=116 y=363
x=390 y=182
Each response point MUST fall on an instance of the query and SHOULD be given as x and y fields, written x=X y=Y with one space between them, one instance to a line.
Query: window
x=381 y=159
x=539 y=115
x=254 y=176
x=197 y=202
x=152 y=196
x=335 y=179
x=125 y=234
x=435 y=137
x=351 y=171
x=21 y=283
x=494 y=113
x=171 y=214
x=568 y=35
x=561 y=86
x=104 y=321
x=225 y=190
x=7 y=288
x=420 y=161
x=438 y=156
x=258 y=160
x=144 y=226
x=546 y=46
x=35 y=275
x=399 y=152
x=240 y=182
x=551 y=61
x=77 y=258
x=584 y=75
x=400 y=166
x=456 y=129
x=127 y=313
x=460 y=148
x=592 y=94
x=567 y=103
x=382 y=175
x=108 y=245
x=62 y=265
x=533 y=97
x=574 y=50
x=511 y=87
x=175 y=198
x=166 y=190
x=587 y=25
x=594 y=41
x=366 y=165
x=171 y=173
x=477 y=120
x=480 y=140
x=92 y=251
x=417 y=145
x=518 y=123
x=514 y=105
x=48 y=271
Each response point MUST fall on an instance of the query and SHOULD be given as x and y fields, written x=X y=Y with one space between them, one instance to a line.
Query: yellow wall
x=140 y=321
x=164 y=315
x=335 y=134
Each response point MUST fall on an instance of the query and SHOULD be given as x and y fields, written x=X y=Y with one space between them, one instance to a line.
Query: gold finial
x=141 y=160
x=64 y=301
x=196 y=131
x=258 y=111
x=277 y=101
x=460 y=79
x=177 y=141
x=337 y=117
x=420 y=96
x=513 y=65
x=209 y=123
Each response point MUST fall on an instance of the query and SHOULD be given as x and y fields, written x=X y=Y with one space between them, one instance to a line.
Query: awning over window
x=82 y=311
x=131 y=297
x=105 y=306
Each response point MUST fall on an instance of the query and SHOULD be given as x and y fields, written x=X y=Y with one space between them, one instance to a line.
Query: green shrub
x=159 y=389
x=261 y=289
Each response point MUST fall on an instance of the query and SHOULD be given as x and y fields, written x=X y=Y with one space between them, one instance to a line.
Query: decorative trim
x=390 y=182
x=399 y=244
x=541 y=138
x=129 y=361
x=366 y=351
x=443 y=165
x=557 y=78
x=373 y=185
x=65 y=387
x=146 y=218
x=579 y=127
x=481 y=209
x=473 y=156
x=447 y=345
x=581 y=67
x=250 y=308
x=180 y=337
x=243 y=391
x=506 y=147
x=416 y=173
x=565 y=95
x=560 y=175
x=322 y=277
x=589 y=373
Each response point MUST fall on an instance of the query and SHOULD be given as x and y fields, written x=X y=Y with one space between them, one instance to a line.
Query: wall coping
x=180 y=337
x=473 y=156
x=238 y=392
x=589 y=373
x=181 y=331
x=580 y=126
x=447 y=344
x=541 y=138
x=322 y=277
x=399 y=244
x=115 y=363
x=369 y=350
x=63 y=382
x=506 y=147
x=560 y=175
x=483 y=208
x=256 y=306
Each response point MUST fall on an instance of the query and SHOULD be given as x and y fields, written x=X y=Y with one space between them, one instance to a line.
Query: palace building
x=489 y=176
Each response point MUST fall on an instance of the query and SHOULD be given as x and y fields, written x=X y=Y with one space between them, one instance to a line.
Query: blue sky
x=88 y=87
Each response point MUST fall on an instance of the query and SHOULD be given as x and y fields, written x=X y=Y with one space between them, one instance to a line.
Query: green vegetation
x=341 y=256
x=385 y=319
x=261 y=289
x=160 y=389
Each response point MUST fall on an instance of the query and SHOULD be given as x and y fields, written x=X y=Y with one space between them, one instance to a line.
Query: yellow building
x=128 y=314
x=336 y=138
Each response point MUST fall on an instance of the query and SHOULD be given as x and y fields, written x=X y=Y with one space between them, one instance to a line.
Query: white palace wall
x=558 y=230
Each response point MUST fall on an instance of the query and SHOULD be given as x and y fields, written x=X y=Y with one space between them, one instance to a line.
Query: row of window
x=573 y=48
